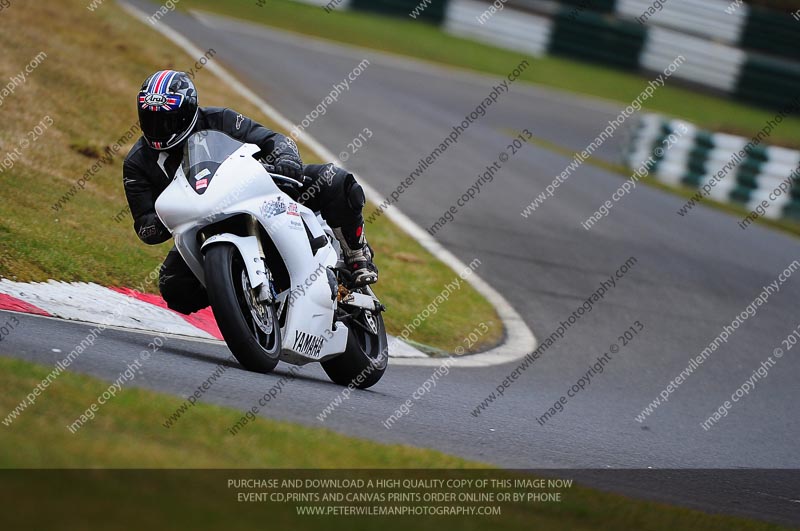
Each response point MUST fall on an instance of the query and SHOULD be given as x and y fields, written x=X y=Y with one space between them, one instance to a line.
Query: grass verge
x=127 y=433
x=89 y=98
x=428 y=42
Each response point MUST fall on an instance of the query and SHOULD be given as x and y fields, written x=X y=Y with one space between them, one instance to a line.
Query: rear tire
x=366 y=357
x=241 y=319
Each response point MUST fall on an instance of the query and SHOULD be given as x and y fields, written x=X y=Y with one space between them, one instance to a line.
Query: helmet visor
x=162 y=126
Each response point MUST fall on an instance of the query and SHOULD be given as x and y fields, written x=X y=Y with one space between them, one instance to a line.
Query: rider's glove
x=289 y=166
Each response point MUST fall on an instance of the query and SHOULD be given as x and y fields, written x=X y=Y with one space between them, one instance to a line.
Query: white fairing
x=241 y=185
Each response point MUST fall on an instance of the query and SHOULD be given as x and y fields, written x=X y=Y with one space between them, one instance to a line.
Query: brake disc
x=259 y=312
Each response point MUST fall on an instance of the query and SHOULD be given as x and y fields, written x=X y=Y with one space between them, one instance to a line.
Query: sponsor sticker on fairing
x=273 y=207
x=308 y=344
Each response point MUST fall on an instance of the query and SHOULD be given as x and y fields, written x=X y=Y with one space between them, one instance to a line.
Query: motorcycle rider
x=168 y=115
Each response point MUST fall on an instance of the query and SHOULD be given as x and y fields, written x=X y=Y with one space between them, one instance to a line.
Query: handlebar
x=286 y=180
x=287 y=184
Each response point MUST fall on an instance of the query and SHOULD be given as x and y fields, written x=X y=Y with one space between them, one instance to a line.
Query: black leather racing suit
x=147 y=172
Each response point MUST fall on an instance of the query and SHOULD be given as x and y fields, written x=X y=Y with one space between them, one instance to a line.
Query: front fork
x=266 y=292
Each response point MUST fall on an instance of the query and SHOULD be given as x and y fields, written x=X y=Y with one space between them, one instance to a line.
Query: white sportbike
x=273 y=269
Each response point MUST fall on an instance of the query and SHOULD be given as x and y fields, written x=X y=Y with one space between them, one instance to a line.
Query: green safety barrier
x=752 y=178
x=772 y=32
x=604 y=6
x=590 y=36
x=434 y=11
x=768 y=81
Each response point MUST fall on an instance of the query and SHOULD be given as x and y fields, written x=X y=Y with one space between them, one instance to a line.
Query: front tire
x=250 y=329
x=366 y=356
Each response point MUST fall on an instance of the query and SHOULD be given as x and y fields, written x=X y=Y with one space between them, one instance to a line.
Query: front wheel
x=250 y=328
x=365 y=359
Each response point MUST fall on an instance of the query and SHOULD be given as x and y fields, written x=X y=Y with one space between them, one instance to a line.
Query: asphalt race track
x=692 y=276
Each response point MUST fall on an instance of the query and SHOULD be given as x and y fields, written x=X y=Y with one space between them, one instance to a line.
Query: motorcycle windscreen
x=204 y=153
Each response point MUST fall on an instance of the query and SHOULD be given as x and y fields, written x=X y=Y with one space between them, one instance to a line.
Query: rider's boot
x=357 y=254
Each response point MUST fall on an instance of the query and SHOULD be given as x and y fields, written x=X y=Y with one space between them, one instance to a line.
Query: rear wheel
x=249 y=327
x=365 y=359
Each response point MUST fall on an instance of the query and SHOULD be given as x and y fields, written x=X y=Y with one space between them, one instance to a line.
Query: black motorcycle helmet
x=168 y=109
